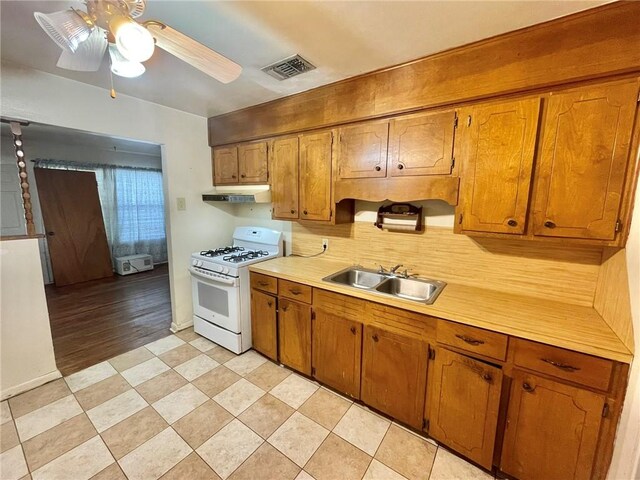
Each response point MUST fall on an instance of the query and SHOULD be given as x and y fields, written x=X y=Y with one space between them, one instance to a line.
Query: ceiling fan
x=111 y=24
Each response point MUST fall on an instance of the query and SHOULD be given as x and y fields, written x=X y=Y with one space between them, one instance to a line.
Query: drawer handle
x=528 y=388
x=353 y=330
x=470 y=341
x=562 y=366
x=295 y=292
x=374 y=337
x=262 y=283
x=487 y=378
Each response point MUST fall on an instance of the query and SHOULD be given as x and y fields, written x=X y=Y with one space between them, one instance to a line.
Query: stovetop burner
x=243 y=257
x=221 y=251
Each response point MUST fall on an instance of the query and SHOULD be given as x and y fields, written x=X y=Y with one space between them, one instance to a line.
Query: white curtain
x=132 y=207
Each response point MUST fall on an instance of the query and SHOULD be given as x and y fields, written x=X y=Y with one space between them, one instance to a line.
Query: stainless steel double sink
x=394 y=285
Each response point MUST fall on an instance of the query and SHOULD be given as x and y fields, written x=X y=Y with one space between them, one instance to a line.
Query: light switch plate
x=182 y=203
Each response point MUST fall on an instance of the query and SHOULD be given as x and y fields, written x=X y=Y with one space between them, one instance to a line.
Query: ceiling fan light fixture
x=134 y=42
x=123 y=67
x=68 y=28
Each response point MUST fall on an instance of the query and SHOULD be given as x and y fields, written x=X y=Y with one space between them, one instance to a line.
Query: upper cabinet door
x=225 y=165
x=362 y=150
x=497 y=161
x=284 y=177
x=315 y=176
x=583 y=161
x=422 y=144
x=252 y=162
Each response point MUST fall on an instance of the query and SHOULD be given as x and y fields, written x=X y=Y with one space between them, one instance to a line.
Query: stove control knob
x=200 y=263
x=194 y=262
x=225 y=270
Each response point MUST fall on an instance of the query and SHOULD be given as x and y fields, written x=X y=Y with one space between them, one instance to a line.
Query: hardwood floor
x=97 y=320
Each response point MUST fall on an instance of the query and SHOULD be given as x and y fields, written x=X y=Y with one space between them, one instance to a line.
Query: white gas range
x=220 y=286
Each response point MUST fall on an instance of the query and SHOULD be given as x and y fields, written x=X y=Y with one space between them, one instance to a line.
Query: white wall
x=626 y=455
x=41 y=97
x=26 y=348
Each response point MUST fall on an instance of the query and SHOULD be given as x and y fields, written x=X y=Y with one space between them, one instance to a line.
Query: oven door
x=216 y=300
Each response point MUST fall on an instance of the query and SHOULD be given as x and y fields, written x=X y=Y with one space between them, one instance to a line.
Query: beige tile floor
x=185 y=408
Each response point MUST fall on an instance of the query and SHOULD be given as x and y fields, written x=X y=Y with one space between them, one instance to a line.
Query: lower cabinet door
x=264 y=331
x=294 y=335
x=552 y=429
x=337 y=347
x=394 y=374
x=463 y=405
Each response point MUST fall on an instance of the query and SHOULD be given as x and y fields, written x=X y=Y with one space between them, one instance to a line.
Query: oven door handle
x=194 y=272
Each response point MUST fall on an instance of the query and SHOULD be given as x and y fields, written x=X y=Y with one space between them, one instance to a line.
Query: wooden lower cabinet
x=264 y=324
x=552 y=429
x=337 y=347
x=294 y=335
x=394 y=374
x=463 y=405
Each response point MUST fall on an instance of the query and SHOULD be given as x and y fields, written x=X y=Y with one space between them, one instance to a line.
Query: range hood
x=236 y=194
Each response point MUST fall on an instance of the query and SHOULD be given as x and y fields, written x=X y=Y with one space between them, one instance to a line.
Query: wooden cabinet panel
x=264 y=331
x=464 y=404
x=421 y=144
x=585 y=151
x=295 y=291
x=225 y=165
x=362 y=150
x=252 y=162
x=573 y=366
x=315 y=176
x=497 y=161
x=284 y=177
x=473 y=340
x=263 y=282
x=294 y=335
x=337 y=345
x=552 y=430
x=394 y=374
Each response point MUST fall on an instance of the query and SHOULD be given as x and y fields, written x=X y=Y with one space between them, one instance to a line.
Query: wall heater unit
x=133 y=264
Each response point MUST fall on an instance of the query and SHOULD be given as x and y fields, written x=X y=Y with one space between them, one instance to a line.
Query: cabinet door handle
x=528 y=388
x=242 y=176
x=512 y=223
x=487 y=377
x=562 y=366
x=270 y=304
x=293 y=211
x=469 y=340
x=233 y=176
x=285 y=308
x=374 y=337
x=400 y=166
x=549 y=224
x=304 y=211
x=377 y=168
x=353 y=330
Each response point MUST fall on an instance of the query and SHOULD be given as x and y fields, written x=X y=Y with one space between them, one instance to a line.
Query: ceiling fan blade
x=88 y=57
x=194 y=53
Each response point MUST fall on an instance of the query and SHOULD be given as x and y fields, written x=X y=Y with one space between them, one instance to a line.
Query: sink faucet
x=394 y=269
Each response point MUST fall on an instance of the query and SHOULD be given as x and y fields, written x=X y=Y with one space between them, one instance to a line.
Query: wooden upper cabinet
x=394 y=374
x=264 y=331
x=552 y=429
x=362 y=150
x=422 y=144
x=283 y=165
x=294 y=335
x=337 y=346
x=315 y=176
x=464 y=404
x=497 y=161
x=225 y=165
x=583 y=161
x=252 y=162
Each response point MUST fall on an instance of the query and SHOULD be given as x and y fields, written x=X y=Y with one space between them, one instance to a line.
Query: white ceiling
x=36 y=132
x=342 y=38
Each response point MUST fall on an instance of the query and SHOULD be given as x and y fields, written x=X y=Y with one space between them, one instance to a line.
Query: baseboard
x=31 y=384
x=175 y=328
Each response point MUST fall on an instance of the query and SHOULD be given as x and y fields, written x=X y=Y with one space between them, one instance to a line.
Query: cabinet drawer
x=573 y=366
x=294 y=291
x=474 y=340
x=264 y=282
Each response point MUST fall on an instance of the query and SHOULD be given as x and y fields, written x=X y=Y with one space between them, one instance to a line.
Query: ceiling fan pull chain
x=113 y=90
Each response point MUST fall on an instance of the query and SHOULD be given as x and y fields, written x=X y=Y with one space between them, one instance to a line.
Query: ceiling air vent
x=289 y=67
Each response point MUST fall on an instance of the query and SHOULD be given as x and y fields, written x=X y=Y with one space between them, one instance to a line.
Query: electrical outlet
x=325 y=243
x=182 y=203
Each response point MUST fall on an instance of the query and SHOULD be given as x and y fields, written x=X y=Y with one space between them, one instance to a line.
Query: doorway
x=99 y=200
